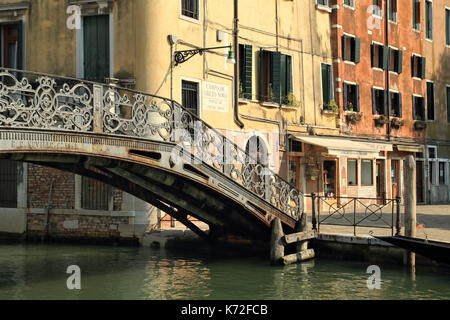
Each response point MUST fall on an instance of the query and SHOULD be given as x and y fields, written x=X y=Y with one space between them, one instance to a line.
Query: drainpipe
x=386 y=22
x=236 y=65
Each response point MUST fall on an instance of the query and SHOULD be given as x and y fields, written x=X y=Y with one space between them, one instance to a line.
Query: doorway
x=330 y=178
x=379 y=172
x=395 y=178
x=294 y=172
x=419 y=181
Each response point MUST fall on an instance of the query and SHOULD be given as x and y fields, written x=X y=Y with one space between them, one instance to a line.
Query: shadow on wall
x=441 y=78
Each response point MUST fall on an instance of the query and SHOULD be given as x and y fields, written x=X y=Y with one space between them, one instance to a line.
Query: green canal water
x=33 y=271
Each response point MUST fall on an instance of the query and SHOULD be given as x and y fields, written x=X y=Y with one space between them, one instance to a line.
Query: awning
x=339 y=146
x=409 y=148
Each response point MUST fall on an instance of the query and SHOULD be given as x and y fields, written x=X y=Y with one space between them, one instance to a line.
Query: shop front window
x=329 y=178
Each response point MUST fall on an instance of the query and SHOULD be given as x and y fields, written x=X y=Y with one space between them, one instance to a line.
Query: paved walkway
x=434 y=218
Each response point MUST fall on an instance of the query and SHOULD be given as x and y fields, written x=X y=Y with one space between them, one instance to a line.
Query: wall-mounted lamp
x=185 y=55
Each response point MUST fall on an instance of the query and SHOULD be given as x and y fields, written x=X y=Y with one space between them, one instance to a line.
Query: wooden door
x=381 y=194
x=395 y=178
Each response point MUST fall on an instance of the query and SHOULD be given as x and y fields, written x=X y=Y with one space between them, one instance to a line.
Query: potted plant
x=397 y=123
x=290 y=100
x=353 y=117
x=331 y=107
x=420 y=125
x=381 y=120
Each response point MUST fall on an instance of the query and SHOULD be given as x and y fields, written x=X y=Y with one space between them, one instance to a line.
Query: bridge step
x=299 y=236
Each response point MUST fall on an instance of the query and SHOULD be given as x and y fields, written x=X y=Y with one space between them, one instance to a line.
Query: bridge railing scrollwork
x=49 y=102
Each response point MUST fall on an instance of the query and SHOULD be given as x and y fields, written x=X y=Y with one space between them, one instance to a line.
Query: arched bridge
x=146 y=145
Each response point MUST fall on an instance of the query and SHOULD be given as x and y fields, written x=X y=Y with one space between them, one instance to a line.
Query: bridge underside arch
x=145 y=169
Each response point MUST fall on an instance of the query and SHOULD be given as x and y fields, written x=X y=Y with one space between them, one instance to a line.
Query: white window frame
x=200 y=92
x=182 y=16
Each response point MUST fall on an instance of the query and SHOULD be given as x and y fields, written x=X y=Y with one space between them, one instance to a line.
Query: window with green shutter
x=379 y=56
x=245 y=71
x=430 y=100
x=418 y=108
x=416 y=15
x=447 y=27
x=396 y=104
x=393 y=10
x=275 y=76
x=351 y=97
x=429 y=19
x=378 y=101
x=448 y=103
x=418 y=65
x=351 y=48
x=395 y=60
x=96 y=47
x=327 y=90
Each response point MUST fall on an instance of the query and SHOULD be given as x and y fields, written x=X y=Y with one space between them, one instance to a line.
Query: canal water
x=34 y=271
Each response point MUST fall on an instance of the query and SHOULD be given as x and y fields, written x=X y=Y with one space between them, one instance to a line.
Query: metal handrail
x=77 y=113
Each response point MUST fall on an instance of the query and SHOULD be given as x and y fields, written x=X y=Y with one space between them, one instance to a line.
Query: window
x=430 y=100
x=8 y=184
x=418 y=66
x=393 y=10
x=189 y=8
x=275 y=76
x=366 y=173
x=190 y=96
x=377 y=8
x=351 y=97
x=396 y=104
x=323 y=2
x=350 y=3
x=327 y=84
x=295 y=145
x=429 y=19
x=12 y=46
x=441 y=172
x=96 y=47
x=352 y=172
x=432 y=152
x=350 y=48
x=95 y=194
x=379 y=56
x=416 y=15
x=418 y=108
x=448 y=104
x=447 y=27
x=379 y=103
x=245 y=71
x=395 y=60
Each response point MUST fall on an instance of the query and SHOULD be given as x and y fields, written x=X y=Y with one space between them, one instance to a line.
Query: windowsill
x=447 y=46
x=378 y=17
x=416 y=78
x=428 y=39
x=415 y=30
x=395 y=73
x=393 y=22
x=329 y=113
x=270 y=104
x=377 y=69
x=244 y=101
x=348 y=7
x=323 y=8
x=350 y=62
x=430 y=121
x=349 y=112
x=352 y=185
x=196 y=21
x=284 y=106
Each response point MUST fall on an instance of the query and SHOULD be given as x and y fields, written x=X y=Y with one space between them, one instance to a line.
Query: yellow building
x=284 y=50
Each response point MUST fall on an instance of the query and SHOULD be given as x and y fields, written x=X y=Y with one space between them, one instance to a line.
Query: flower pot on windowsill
x=380 y=120
x=397 y=123
x=353 y=117
x=420 y=125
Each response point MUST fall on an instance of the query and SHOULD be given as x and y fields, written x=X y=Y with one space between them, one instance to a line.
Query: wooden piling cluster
x=279 y=241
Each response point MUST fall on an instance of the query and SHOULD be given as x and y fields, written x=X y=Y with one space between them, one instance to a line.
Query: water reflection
x=39 y=272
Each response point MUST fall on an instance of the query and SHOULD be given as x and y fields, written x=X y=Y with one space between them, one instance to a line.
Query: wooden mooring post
x=279 y=241
x=409 y=171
